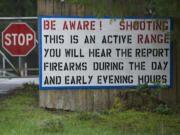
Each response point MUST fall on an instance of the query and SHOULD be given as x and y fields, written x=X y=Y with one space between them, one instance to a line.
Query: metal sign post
x=4 y=67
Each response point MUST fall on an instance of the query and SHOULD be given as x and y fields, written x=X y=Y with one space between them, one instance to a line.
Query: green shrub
x=85 y=116
x=163 y=109
x=52 y=125
x=118 y=106
x=30 y=86
x=176 y=109
x=31 y=89
x=144 y=88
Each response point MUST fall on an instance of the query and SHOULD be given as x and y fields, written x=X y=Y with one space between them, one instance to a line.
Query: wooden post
x=177 y=56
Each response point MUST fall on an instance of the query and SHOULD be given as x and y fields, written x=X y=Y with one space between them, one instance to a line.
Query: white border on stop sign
x=29 y=28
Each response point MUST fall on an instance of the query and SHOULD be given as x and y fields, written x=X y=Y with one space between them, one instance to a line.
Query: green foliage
x=163 y=109
x=30 y=86
x=19 y=116
x=176 y=109
x=30 y=89
x=86 y=116
x=144 y=88
x=159 y=87
x=143 y=98
x=129 y=7
x=164 y=7
x=159 y=8
x=118 y=106
x=107 y=7
x=52 y=125
x=18 y=8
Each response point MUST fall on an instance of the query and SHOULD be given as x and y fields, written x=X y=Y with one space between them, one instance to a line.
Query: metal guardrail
x=8 y=74
x=18 y=18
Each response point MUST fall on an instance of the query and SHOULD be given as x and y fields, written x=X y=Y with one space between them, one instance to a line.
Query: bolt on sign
x=18 y=39
x=90 y=52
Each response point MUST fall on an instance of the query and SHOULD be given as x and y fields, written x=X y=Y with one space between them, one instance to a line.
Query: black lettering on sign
x=52 y=52
x=52 y=80
x=79 y=79
x=161 y=65
x=74 y=39
x=137 y=65
x=91 y=39
x=54 y=39
x=108 y=66
x=124 y=52
x=65 y=66
x=100 y=52
x=142 y=79
x=117 y=39
x=114 y=79
x=74 y=53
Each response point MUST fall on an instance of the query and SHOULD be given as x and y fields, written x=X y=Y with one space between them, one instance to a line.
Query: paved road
x=7 y=85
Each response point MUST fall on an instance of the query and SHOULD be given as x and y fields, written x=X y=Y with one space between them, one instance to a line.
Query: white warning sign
x=79 y=52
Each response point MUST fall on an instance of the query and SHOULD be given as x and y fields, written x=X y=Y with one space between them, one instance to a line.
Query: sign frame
x=101 y=87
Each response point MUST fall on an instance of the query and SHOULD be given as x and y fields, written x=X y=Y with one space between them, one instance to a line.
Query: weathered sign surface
x=18 y=39
x=90 y=52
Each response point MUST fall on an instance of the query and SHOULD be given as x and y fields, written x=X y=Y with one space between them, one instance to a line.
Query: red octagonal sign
x=18 y=39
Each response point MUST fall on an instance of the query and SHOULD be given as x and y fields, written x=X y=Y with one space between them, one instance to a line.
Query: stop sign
x=18 y=39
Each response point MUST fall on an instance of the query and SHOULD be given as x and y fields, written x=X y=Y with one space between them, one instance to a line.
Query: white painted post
x=21 y=63
x=25 y=69
x=20 y=67
x=4 y=66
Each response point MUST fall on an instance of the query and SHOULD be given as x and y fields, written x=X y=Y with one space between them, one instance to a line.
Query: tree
x=132 y=7
x=159 y=8
x=9 y=8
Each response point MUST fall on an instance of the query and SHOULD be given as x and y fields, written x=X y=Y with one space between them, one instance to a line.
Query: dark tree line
x=132 y=7
x=158 y=8
x=11 y=8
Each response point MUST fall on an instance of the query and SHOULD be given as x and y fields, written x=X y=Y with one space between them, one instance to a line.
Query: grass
x=20 y=115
